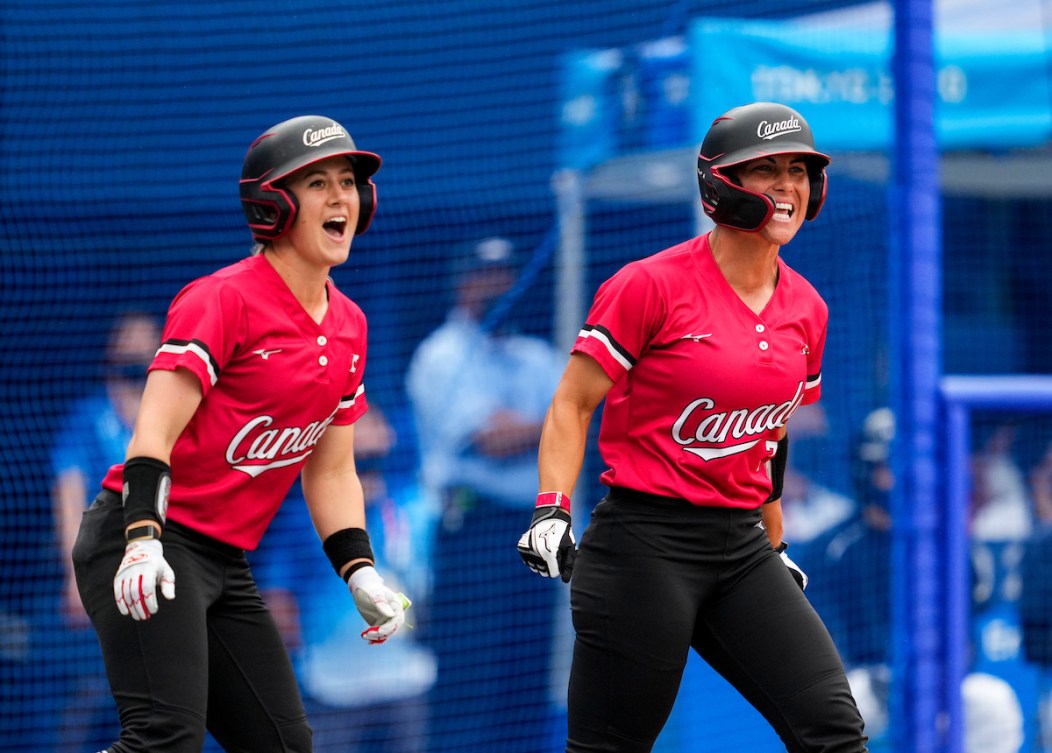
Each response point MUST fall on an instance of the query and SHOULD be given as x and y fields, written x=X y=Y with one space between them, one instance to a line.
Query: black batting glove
x=548 y=546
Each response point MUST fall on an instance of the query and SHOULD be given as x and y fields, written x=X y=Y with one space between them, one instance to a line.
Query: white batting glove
x=378 y=605
x=548 y=546
x=141 y=572
x=798 y=575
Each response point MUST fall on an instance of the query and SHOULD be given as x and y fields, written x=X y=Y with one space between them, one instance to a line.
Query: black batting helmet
x=761 y=129
x=284 y=149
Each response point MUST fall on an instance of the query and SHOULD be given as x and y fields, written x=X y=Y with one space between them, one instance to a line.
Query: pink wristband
x=554 y=498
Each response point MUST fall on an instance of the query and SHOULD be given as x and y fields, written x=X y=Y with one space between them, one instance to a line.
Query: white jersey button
x=322 y=340
x=764 y=345
x=760 y=328
x=323 y=360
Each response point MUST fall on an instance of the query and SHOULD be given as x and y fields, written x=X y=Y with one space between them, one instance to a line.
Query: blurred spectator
x=1041 y=489
x=858 y=552
x=1035 y=601
x=357 y=698
x=854 y=586
x=479 y=394
x=851 y=585
x=1001 y=508
x=94 y=437
x=1001 y=522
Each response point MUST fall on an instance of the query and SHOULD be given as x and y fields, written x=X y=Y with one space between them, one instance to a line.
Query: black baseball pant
x=656 y=577
x=212 y=657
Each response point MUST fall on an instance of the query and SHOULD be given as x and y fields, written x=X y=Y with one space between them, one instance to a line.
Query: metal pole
x=919 y=561
x=570 y=262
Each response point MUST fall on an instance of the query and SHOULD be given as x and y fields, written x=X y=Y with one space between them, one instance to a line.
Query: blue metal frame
x=961 y=396
x=920 y=711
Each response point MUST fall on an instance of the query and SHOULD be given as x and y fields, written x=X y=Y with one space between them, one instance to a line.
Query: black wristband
x=778 y=463
x=347 y=545
x=147 y=483
x=139 y=533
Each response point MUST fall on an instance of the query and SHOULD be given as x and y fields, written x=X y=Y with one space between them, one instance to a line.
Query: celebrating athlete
x=702 y=352
x=258 y=380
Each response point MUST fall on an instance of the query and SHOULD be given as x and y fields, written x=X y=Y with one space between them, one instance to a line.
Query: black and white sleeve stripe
x=195 y=348
x=348 y=401
x=616 y=350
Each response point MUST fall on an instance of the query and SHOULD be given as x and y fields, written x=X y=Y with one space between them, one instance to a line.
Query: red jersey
x=273 y=380
x=701 y=383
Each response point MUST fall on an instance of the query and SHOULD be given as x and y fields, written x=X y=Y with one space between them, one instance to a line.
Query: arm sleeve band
x=347 y=545
x=778 y=463
x=554 y=498
x=147 y=484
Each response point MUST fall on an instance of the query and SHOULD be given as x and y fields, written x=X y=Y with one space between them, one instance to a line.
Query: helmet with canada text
x=282 y=150
x=760 y=129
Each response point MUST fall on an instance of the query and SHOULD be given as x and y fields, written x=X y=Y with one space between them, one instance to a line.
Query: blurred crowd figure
x=94 y=436
x=1002 y=520
x=1001 y=508
x=358 y=699
x=851 y=575
x=1035 y=601
x=479 y=391
x=851 y=586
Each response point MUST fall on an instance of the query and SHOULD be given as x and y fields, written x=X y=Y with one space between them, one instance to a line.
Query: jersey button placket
x=323 y=360
x=763 y=344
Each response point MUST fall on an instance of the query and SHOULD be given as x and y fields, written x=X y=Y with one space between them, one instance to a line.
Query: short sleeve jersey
x=273 y=380
x=701 y=382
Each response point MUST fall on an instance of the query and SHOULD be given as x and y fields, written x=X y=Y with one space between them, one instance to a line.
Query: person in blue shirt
x=479 y=392
x=94 y=436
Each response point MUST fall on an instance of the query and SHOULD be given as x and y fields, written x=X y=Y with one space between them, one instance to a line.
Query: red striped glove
x=142 y=571
x=379 y=606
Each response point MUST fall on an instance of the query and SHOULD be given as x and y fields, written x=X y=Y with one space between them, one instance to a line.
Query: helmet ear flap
x=271 y=213
x=366 y=205
x=261 y=215
x=819 y=186
x=727 y=203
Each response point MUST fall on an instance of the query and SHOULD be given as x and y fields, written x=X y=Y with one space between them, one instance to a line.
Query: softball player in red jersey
x=258 y=380
x=702 y=353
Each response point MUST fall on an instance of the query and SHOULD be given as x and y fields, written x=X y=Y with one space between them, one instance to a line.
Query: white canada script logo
x=718 y=434
x=767 y=130
x=317 y=137
x=259 y=447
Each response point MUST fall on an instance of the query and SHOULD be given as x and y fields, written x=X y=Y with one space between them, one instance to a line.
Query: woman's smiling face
x=328 y=207
x=784 y=178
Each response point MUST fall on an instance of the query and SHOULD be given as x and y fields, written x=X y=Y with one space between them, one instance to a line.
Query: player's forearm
x=335 y=501
x=772 y=521
x=331 y=485
x=565 y=434
x=562 y=446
